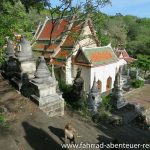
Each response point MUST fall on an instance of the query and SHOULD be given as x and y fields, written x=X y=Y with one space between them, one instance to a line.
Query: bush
x=2 y=119
x=101 y=116
x=137 y=83
x=3 y=122
x=2 y=57
x=66 y=89
x=106 y=102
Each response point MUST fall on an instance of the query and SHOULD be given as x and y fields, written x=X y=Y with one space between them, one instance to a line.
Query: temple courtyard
x=31 y=129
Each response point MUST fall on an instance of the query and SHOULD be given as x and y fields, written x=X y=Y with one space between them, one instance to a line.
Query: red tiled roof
x=47 y=55
x=122 y=54
x=58 y=29
x=40 y=46
x=63 y=54
x=118 y=53
x=74 y=33
x=101 y=56
x=69 y=42
x=96 y=56
x=129 y=59
x=58 y=62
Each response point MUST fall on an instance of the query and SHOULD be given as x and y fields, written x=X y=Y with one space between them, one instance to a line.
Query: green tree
x=116 y=29
x=143 y=63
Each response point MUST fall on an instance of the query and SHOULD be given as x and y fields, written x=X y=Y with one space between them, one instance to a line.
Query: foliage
x=137 y=83
x=116 y=31
x=143 y=63
x=104 y=111
x=130 y=31
x=3 y=122
x=102 y=116
x=2 y=58
x=66 y=89
x=106 y=102
x=28 y=4
x=13 y=20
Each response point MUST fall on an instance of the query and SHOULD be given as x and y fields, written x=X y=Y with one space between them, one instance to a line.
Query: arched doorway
x=99 y=85
x=109 y=84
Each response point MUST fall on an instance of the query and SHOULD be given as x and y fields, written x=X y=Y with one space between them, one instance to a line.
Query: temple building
x=100 y=62
x=73 y=44
x=123 y=55
x=66 y=39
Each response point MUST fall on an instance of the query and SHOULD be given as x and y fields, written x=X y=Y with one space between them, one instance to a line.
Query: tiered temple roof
x=122 y=54
x=64 y=37
x=95 y=56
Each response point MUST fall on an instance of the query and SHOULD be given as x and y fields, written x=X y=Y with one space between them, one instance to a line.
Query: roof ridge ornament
x=109 y=45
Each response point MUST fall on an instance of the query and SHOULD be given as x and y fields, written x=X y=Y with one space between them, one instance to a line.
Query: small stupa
x=45 y=91
x=78 y=83
x=25 y=63
x=117 y=94
x=24 y=50
x=10 y=64
x=94 y=97
x=42 y=74
x=10 y=49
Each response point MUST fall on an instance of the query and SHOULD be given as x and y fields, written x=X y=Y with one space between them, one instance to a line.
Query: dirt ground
x=140 y=96
x=31 y=129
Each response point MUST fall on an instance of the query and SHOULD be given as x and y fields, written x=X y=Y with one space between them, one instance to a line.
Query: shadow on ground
x=39 y=139
x=58 y=132
x=103 y=140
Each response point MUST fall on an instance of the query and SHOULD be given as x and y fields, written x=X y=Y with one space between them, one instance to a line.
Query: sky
x=139 y=8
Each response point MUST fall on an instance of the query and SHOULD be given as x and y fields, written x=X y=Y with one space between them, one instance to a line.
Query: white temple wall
x=121 y=62
x=102 y=73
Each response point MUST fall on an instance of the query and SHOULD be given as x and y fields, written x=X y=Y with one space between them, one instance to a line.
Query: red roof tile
x=58 y=29
x=58 y=62
x=122 y=54
x=63 y=54
x=101 y=56
x=129 y=59
x=43 y=46
x=74 y=33
x=72 y=37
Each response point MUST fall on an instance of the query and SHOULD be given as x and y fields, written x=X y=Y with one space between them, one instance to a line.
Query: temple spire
x=117 y=94
x=24 y=50
x=94 y=97
x=94 y=88
x=10 y=49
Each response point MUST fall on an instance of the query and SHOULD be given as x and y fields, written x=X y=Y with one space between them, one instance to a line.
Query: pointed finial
x=109 y=45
